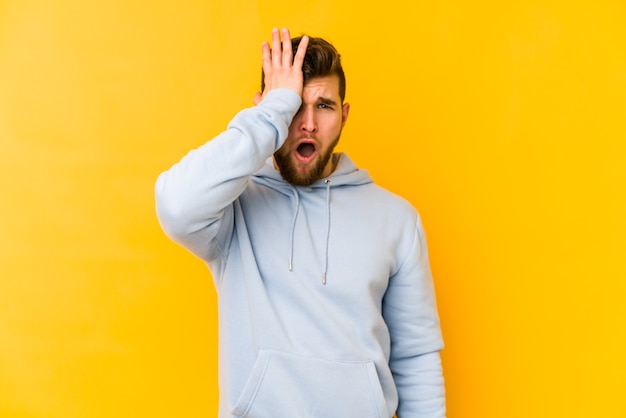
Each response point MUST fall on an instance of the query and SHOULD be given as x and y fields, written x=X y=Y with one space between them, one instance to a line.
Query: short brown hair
x=321 y=60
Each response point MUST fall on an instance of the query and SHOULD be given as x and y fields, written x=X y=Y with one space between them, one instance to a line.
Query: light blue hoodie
x=326 y=301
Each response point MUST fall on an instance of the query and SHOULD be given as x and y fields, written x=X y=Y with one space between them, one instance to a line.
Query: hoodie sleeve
x=194 y=198
x=410 y=311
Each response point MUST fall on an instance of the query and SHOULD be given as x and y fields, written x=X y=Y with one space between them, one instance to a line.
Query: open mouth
x=306 y=150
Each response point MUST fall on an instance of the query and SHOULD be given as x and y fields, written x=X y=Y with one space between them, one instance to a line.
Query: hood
x=346 y=174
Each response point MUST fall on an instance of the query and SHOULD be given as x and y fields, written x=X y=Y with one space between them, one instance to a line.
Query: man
x=326 y=301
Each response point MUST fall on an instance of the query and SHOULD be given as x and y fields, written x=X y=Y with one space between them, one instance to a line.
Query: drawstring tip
x=323 y=278
x=290 y=265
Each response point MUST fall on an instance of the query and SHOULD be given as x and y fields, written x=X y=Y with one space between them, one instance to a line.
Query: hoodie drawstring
x=293 y=228
x=328 y=183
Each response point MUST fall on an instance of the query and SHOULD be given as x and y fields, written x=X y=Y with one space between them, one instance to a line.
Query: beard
x=288 y=170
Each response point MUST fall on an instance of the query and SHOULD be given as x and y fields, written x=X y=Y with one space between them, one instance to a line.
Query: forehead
x=326 y=87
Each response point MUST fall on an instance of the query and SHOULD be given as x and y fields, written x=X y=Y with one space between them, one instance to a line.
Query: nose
x=308 y=122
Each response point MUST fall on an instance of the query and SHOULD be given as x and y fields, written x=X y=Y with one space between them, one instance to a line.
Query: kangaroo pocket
x=286 y=386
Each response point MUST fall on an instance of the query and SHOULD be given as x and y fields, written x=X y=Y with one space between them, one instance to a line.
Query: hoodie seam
x=411 y=248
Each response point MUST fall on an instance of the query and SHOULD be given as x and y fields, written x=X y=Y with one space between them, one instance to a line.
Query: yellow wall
x=502 y=121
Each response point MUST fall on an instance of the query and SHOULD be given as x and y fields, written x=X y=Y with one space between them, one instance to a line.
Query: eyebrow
x=326 y=101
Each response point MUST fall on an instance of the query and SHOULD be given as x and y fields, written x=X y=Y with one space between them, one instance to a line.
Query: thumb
x=257 y=98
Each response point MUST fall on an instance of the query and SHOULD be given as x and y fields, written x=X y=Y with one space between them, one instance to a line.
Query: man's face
x=304 y=158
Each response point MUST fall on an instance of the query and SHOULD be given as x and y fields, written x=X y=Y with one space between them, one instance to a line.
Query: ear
x=257 y=98
x=345 y=111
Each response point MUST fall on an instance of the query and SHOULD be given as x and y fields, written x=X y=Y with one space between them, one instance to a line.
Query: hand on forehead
x=281 y=68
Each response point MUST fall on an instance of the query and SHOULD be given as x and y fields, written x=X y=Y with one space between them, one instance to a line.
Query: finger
x=287 y=51
x=266 y=58
x=300 y=53
x=276 y=49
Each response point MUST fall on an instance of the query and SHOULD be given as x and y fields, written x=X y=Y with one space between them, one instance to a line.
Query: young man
x=326 y=301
